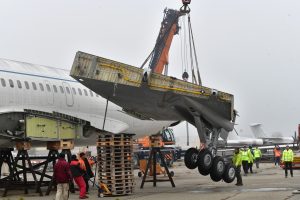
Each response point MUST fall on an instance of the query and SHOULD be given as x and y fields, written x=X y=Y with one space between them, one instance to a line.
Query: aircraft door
x=49 y=92
x=69 y=94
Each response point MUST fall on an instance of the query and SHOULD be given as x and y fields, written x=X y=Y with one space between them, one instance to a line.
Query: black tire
x=202 y=171
x=205 y=161
x=191 y=158
x=215 y=178
x=140 y=174
x=172 y=173
x=229 y=173
x=217 y=168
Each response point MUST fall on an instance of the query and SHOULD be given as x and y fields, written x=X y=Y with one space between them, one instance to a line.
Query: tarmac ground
x=267 y=182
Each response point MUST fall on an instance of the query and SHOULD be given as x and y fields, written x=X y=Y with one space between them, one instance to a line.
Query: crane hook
x=185 y=8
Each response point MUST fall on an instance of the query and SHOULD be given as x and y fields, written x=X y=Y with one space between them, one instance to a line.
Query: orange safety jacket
x=82 y=164
x=277 y=152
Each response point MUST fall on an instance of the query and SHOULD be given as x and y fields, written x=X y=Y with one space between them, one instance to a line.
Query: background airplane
x=270 y=138
x=231 y=139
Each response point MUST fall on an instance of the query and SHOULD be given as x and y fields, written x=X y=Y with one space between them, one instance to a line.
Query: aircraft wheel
x=217 y=169
x=202 y=171
x=191 y=158
x=229 y=173
x=215 y=178
x=205 y=161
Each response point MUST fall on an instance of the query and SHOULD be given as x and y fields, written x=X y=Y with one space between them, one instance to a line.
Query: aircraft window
x=91 y=93
x=3 y=82
x=19 y=84
x=55 y=88
x=79 y=91
x=11 y=83
x=48 y=87
x=85 y=92
x=74 y=91
x=61 y=89
x=41 y=86
x=68 y=90
x=97 y=95
x=34 y=85
x=26 y=85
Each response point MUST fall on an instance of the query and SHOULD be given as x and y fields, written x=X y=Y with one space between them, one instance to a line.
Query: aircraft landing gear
x=209 y=165
x=207 y=161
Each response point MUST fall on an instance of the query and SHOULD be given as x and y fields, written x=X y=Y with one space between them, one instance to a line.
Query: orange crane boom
x=164 y=57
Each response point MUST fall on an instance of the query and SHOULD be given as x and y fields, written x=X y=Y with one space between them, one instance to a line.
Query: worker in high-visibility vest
x=250 y=158
x=237 y=162
x=257 y=156
x=245 y=160
x=288 y=159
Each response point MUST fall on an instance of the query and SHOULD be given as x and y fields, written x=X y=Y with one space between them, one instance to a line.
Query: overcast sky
x=250 y=48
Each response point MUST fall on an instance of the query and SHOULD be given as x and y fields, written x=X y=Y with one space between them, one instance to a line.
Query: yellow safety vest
x=288 y=156
x=257 y=153
x=237 y=159
x=244 y=155
x=250 y=156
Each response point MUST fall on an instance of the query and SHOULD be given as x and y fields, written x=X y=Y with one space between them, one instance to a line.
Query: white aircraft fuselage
x=29 y=87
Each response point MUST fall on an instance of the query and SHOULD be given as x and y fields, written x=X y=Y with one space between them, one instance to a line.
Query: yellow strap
x=105 y=188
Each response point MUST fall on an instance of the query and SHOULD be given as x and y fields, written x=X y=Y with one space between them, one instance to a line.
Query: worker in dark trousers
x=250 y=159
x=288 y=158
x=257 y=156
x=237 y=162
x=277 y=155
x=245 y=160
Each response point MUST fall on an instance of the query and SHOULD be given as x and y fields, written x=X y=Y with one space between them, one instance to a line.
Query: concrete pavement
x=266 y=183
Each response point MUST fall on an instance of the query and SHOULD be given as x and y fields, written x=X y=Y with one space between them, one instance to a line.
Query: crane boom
x=169 y=28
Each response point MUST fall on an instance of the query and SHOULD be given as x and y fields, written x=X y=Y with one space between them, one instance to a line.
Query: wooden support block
x=23 y=145
x=63 y=144
x=53 y=145
x=67 y=144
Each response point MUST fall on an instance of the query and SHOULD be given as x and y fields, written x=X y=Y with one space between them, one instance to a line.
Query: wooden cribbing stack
x=115 y=166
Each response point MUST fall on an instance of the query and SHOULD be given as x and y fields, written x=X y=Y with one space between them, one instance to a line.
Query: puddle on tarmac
x=264 y=189
x=215 y=189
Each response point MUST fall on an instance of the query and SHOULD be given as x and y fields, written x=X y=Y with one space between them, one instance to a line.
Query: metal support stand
x=6 y=157
x=152 y=160
x=52 y=156
x=95 y=174
x=21 y=156
x=13 y=180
